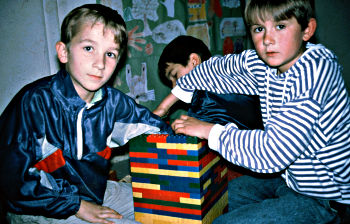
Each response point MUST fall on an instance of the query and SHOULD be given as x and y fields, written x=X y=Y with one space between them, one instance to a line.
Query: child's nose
x=99 y=62
x=268 y=38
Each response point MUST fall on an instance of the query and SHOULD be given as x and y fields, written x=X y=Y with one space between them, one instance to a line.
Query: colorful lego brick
x=176 y=179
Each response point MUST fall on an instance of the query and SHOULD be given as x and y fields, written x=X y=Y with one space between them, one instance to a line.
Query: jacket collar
x=63 y=88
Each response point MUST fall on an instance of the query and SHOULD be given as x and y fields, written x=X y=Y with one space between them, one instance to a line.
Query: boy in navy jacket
x=58 y=132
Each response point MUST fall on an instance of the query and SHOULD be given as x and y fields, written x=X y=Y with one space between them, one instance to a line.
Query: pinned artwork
x=167 y=31
x=170 y=6
x=196 y=11
x=145 y=10
x=176 y=179
x=200 y=31
x=135 y=40
x=231 y=3
x=233 y=26
x=138 y=85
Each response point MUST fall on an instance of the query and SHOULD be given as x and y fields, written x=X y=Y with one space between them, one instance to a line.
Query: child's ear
x=310 y=29
x=195 y=59
x=62 y=52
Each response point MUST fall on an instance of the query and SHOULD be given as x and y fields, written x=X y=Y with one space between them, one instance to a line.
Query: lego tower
x=176 y=179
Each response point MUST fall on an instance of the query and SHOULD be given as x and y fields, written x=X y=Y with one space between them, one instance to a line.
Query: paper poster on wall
x=233 y=26
x=145 y=10
x=166 y=32
x=231 y=3
x=138 y=85
x=137 y=42
x=170 y=6
x=200 y=31
x=196 y=11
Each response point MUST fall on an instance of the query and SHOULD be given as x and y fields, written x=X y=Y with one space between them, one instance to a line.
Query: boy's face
x=175 y=71
x=279 y=43
x=91 y=58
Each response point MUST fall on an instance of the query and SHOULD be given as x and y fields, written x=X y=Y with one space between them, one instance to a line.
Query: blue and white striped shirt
x=306 y=115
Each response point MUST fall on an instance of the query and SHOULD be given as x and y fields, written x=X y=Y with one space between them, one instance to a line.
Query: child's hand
x=94 y=213
x=191 y=126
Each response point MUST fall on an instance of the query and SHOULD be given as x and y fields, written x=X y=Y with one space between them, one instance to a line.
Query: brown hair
x=301 y=10
x=94 y=13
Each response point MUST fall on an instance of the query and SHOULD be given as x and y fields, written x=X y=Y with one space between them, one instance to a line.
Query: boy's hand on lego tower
x=94 y=213
x=191 y=126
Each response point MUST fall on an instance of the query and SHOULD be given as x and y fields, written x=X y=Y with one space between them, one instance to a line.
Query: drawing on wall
x=167 y=31
x=233 y=26
x=196 y=11
x=200 y=31
x=215 y=9
x=231 y=3
x=170 y=7
x=134 y=40
x=144 y=10
x=127 y=14
x=138 y=85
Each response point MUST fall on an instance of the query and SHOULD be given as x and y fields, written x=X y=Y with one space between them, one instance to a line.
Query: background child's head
x=178 y=51
x=301 y=10
x=93 y=13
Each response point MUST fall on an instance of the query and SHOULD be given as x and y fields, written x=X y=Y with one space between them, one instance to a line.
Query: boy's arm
x=26 y=189
x=131 y=120
x=221 y=75
x=165 y=105
x=263 y=151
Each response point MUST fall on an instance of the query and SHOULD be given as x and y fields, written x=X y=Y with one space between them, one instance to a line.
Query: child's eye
x=88 y=48
x=111 y=55
x=280 y=27
x=257 y=29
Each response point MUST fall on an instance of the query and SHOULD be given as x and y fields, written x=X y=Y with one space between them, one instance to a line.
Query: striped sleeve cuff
x=214 y=134
x=183 y=95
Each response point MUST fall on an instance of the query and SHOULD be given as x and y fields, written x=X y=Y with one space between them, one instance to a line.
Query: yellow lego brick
x=209 y=165
x=137 y=194
x=189 y=146
x=206 y=184
x=166 y=145
x=224 y=172
x=146 y=186
x=146 y=218
x=181 y=146
x=191 y=201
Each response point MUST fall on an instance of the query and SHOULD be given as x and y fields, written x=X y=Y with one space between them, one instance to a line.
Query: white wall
x=24 y=55
x=29 y=31
x=30 y=28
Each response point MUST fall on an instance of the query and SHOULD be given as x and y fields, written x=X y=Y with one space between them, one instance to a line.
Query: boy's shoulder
x=35 y=88
x=319 y=52
x=114 y=94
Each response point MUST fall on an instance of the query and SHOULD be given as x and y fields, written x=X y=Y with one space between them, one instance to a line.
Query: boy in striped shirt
x=305 y=144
